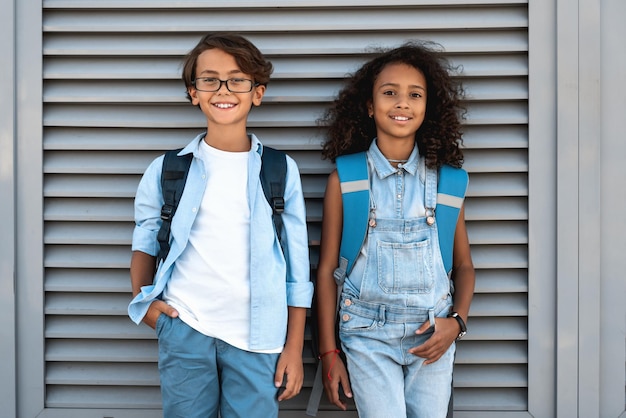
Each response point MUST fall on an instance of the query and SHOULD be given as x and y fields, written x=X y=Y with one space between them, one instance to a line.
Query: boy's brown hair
x=247 y=56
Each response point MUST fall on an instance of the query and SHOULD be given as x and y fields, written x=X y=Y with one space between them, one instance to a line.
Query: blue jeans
x=386 y=380
x=201 y=376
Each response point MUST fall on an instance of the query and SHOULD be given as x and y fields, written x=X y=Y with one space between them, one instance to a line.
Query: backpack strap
x=355 y=194
x=173 y=178
x=451 y=189
x=273 y=179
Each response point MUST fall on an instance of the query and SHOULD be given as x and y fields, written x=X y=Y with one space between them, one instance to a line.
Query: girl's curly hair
x=350 y=129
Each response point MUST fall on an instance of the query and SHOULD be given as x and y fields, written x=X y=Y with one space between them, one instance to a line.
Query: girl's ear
x=370 y=109
x=258 y=93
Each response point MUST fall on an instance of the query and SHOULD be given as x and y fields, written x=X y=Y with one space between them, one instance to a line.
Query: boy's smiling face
x=223 y=107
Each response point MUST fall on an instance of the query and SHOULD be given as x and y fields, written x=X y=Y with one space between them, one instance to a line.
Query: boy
x=228 y=307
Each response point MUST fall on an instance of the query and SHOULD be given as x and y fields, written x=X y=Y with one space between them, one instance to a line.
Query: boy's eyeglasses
x=234 y=85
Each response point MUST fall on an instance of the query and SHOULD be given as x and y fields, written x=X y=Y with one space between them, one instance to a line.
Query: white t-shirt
x=210 y=283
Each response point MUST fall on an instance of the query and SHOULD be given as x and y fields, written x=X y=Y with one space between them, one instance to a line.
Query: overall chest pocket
x=405 y=267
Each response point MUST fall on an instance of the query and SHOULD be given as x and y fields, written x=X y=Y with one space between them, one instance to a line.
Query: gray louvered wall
x=113 y=101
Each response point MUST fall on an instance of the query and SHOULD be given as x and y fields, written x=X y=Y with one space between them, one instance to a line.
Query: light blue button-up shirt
x=276 y=280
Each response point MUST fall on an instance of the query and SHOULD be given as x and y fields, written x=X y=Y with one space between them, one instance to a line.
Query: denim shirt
x=276 y=280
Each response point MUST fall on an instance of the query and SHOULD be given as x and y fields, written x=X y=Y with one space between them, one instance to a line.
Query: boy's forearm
x=295 y=328
x=142 y=269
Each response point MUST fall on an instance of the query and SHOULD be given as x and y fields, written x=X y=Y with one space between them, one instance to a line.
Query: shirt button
x=194 y=210
x=345 y=317
x=399 y=196
x=348 y=302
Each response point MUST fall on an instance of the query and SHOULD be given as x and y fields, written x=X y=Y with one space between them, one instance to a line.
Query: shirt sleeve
x=295 y=240
x=148 y=203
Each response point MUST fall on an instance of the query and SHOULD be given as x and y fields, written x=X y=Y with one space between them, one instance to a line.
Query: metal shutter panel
x=113 y=101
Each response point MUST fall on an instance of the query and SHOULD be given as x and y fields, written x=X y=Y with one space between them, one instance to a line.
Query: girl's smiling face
x=398 y=102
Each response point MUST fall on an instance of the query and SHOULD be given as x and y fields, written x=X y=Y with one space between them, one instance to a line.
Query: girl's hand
x=156 y=308
x=335 y=368
x=446 y=331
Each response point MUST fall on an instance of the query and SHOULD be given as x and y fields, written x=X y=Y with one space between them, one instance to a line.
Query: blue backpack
x=354 y=179
x=355 y=194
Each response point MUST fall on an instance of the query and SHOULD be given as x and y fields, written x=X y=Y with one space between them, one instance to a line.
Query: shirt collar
x=385 y=169
x=193 y=146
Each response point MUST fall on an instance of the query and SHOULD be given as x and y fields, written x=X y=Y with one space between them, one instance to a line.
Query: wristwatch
x=458 y=318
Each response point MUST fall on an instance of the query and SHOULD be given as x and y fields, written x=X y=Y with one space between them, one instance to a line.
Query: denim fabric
x=275 y=282
x=397 y=284
x=201 y=376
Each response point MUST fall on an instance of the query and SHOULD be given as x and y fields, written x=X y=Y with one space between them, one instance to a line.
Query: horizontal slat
x=131 y=162
x=501 y=281
x=296 y=91
x=96 y=327
x=135 y=162
x=110 y=139
x=302 y=138
x=491 y=402
x=194 y=4
x=498 y=232
x=88 y=209
x=306 y=43
x=319 y=67
x=491 y=375
x=502 y=184
x=88 y=280
x=58 y=303
x=498 y=305
x=496 y=208
x=105 y=374
x=500 y=256
x=91 y=233
x=125 y=186
x=267 y=115
x=285 y=19
x=491 y=352
x=88 y=256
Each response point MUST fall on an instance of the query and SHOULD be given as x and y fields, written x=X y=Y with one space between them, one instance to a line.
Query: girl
x=397 y=330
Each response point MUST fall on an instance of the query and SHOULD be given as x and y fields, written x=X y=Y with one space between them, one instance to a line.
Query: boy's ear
x=258 y=93
x=193 y=93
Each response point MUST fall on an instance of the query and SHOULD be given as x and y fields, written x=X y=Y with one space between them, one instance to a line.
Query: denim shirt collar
x=384 y=169
x=194 y=145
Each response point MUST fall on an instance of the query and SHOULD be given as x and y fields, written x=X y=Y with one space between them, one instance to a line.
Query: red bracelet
x=335 y=351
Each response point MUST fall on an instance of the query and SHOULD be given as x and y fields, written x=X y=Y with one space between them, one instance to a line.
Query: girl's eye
x=416 y=95
x=389 y=92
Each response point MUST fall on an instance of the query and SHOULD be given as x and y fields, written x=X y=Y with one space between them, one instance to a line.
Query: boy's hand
x=289 y=368
x=446 y=331
x=156 y=308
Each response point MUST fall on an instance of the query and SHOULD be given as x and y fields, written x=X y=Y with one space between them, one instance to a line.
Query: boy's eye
x=238 y=80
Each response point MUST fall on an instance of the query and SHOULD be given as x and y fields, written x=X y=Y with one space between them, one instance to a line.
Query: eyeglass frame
x=225 y=82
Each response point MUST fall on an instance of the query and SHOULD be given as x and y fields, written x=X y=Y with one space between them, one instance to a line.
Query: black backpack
x=174 y=175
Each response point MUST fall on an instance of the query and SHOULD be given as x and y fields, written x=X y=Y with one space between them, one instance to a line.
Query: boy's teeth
x=223 y=105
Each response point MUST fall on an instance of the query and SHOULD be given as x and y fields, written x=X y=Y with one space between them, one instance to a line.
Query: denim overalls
x=397 y=284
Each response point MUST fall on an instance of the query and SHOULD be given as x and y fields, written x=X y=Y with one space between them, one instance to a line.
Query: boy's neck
x=224 y=139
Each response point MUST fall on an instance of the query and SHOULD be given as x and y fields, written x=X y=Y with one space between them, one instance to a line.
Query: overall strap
x=354 y=181
x=173 y=177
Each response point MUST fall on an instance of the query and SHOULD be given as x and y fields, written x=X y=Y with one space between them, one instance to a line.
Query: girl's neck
x=397 y=151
